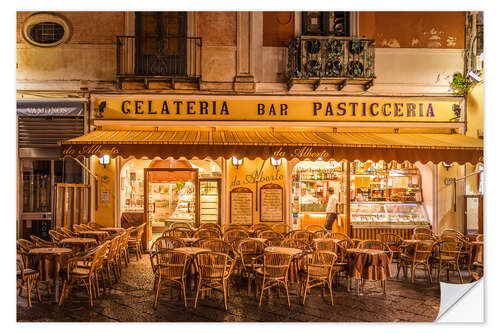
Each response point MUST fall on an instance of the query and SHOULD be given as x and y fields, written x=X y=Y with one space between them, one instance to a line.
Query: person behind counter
x=331 y=209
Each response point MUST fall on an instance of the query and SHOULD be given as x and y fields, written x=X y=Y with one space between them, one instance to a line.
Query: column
x=244 y=79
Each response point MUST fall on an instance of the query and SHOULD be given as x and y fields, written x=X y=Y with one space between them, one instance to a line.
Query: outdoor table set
x=367 y=264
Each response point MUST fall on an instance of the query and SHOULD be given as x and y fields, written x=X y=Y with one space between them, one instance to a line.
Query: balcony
x=335 y=61
x=163 y=63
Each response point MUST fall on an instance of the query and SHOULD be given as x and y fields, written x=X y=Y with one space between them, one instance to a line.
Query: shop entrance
x=473 y=214
x=171 y=196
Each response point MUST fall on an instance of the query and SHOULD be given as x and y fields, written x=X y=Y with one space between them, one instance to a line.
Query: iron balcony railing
x=169 y=57
x=331 y=57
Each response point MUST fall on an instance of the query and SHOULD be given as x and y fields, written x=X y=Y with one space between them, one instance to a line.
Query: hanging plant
x=460 y=84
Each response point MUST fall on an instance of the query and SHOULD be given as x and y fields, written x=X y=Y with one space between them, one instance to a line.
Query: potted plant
x=460 y=84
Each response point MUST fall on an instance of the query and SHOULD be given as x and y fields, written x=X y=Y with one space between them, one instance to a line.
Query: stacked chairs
x=123 y=247
x=135 y=241
x=271 y=270
x=248 y=250
x=214 y=270
x=419 y=256
x=319 y=269
x=170 y=268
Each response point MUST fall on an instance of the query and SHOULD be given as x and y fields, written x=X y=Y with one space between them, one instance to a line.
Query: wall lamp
x=104 y=160
x=275 y=162
x=447 y=165
x=237 y=162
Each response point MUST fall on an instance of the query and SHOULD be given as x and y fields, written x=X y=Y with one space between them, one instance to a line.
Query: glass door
x=210 y=201
x=172 y=196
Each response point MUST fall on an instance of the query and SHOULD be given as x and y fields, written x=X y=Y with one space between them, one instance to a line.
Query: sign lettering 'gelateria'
x=272 y=109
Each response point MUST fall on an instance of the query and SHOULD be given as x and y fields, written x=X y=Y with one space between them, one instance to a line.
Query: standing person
x=331 y=209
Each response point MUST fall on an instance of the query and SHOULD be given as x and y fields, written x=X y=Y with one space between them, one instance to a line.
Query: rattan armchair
x=259 y=227
x=179 y=232
x=78 y=274
x=302 y=235
x=318 y=272
x=135 y=241
x=423 y=230
x=214 y=269
x=419 y=256
x=269 y=234
x=39 y=242
x=29 y=276
x=25 y=245
x=393 y=241
x=271 y=270
x=111 y=260
x=210 y=225
x=217 y=245
x=447 y=255
x=325 y=245
x=162 y=244
x=422 y=236
x=376 y=245
x=56 y=236
x=480 y=238
x=180 y=225
x=66 y=232
x=320 y=234
x=314 y=228
x=248 y=250
x=338 y=235
x=233 y=236
x=282 y=228
x=171 y=268
x=295 y=243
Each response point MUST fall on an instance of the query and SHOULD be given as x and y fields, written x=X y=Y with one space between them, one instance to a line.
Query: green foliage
x=460 y=84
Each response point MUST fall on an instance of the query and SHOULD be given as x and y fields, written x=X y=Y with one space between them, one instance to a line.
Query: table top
x=285 y=250
x=478 y=243
x=77 y=240
x=258 y=239
x=366 y=251
x=190 y=250
x=111 y=229
x=50 y=250
x=189 y=239
x=336 y=240
x=93 y=232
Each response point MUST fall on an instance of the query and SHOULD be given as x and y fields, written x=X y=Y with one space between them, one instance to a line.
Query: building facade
x=248 y=117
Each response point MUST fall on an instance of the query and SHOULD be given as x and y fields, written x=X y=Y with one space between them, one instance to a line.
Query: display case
x=388 y=214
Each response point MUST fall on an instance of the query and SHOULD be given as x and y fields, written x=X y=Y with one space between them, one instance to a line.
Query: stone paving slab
x=131 y=300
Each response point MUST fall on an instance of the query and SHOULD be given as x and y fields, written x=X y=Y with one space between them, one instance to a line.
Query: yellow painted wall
x=447 y=217
x=475 y=110
x=245 y=176
x=105 y=212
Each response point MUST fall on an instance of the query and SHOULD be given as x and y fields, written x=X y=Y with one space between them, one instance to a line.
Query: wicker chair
x=25 y=245
x=318 y=272
x=448 y=255
x=214 y=269
x=166 y=243
x=422 y=236
x=248 y=250
x=271 y=270
x=39 y=242
x=320 y=234
x=423 y=230
x=393 y=241
x=179 y=232
x=338 y=235
x=135 y=241
x=303 y=235
x=229 y=227
x=29 y=276
x=480 y=238
x=207 y=233
x=259 y=227
x=111 y=259
x=282 y=228
x=274 y=241
x=170 y=268
x=210 y=225
x=420 y=256
x=233 y=236
x=78 y=274
x=180 y=225
x=269 y=234
x=123 y=248
x=80 y=227
x=325 y=245
x=100 y=268
x=56 y=236
x=295 y=243
x=314 y=228
x=376 y=245
x=67 y=232
x=217 y=245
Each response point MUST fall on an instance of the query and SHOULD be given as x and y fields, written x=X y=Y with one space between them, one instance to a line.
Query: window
x=326 y=24
x=45 y=30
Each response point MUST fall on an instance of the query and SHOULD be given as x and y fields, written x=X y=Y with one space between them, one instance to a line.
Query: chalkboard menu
x=271 y=203
x=241 y=203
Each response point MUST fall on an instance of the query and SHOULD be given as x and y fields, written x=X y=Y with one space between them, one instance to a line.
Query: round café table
x=99 y=236
x=113 y=230
x=191 y=252
x=368 y=264
x=293 y=272
x=49 y=261
x=78 y=244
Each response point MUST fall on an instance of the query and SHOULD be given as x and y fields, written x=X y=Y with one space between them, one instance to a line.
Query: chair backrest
x=216 y=245
x=228 y=227
x=166 y=243
x=210 y=225
x=213 y=265
x=325 y=245
x=450 y=248
x=422 y=236
x=314 y=228
x=295 y=243
x=282 y=228
x=180 y=225
x=376 y=245
x=102 y=253
x=171 y=264
x=249 y=249
x=480 y=238
x=178 y=233
x=269 y=234
x=320 y=263
x=320 y=234
x=20 y=260
x=423 y=250
x=259 y=227
x=39 y=242
x=113 y=247
x=423 y=230
x=66 y=231
x=25 y=244
x=206 y=233
x=303 y=235
x=390 y=239
x=56 y=236
x=234 y=235
x=125 y=237
x=346 y=243
x=451 y=233
x=276 y=265
x=98 y=257
x=338 y=235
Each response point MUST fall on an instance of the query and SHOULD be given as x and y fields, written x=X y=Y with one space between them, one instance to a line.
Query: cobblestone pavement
x=130 y=300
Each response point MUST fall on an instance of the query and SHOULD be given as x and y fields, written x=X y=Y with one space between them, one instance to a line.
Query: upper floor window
x=326 y=24
x=45 y=30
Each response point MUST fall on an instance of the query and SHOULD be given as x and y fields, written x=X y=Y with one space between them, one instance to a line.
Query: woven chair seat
x=28 y=271
x=83 y=271
x=444 y=258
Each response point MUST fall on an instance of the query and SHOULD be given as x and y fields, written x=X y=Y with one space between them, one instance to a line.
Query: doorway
x=473 y=214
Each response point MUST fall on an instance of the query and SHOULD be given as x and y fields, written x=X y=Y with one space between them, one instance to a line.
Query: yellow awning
x=287 y=143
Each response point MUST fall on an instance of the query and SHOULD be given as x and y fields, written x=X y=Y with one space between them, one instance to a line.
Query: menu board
x=241 y=202
x=271 y=203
